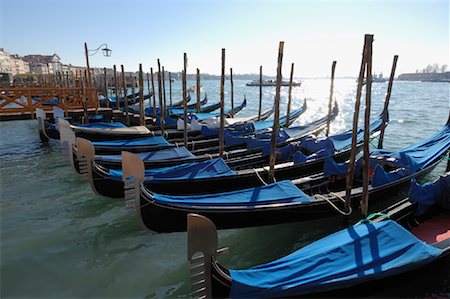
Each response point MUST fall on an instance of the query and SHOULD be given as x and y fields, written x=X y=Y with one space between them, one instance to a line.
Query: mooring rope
x=259 y=177
x=320 y=196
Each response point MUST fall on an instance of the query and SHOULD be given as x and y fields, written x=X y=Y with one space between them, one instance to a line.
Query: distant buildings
x=13 y=64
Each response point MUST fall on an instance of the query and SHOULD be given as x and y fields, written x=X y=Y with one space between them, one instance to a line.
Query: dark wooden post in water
x=88 y=69
x=197 y=107
x=330 y=102
x=170 y=88
x=147 y=74
x=386 y=102
x=276 y=117
x=288 y=117
x=106 y=87
x=116 y=88
x=222 y=106
x=260 y=92
x=84 y=101
x=366 y=162
x=153 y=93
x=125 y=99
x=162 y=112
x=141 y=97
x=232 y=92
x=351 y=165
x=185 y=135
x=164 y=89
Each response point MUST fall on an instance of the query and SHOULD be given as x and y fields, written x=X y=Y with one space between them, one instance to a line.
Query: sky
x=315 y=33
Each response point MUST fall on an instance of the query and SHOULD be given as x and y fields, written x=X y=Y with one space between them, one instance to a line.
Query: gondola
x=381 y=253
x=50 y=130
x=149 y=111
x=111 y=131
x=214 y=122
x=208 y=176
x=237 y=158
x=282 y=201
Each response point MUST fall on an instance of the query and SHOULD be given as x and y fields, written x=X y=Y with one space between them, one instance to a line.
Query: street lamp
x=105 y=50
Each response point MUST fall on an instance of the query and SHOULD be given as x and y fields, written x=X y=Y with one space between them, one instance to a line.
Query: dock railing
x=26 y=99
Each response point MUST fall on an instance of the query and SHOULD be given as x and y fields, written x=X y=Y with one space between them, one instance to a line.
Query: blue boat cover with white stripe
x=176 y=153
x=102 y=125
x=354 y=255
x=430 y=193
x=148 y=141
x=198 y=170
x=280 y=192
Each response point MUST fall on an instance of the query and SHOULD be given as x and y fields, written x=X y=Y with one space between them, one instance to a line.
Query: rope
x=368 y=218
x=259 y=177
x=176 y=144
x=193 y=144
x=320 y=196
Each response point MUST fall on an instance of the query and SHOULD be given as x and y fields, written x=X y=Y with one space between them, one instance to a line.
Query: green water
x=60 y=240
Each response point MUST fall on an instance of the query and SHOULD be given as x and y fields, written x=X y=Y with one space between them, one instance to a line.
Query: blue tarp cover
x=169 y=154
x=430 y=193
x=411 y=158
x=198 y=170
x=148 y=141
x=354 y=255
x=280 y=192
x=102 y=125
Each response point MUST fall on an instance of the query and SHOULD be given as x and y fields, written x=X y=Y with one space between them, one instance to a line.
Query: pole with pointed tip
x=170 y=88
x=330 y=102
x=276 y=117
x=386 y=102
x=288 y=113
x=106 y=87
x=232 y=92
x=351 y=165
x=366 y=161
x=153 y=93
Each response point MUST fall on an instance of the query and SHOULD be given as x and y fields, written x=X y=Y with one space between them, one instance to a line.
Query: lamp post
x=106 y=52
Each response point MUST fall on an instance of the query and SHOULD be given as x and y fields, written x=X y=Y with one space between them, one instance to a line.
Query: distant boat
x=376 y=79
x=271 y=83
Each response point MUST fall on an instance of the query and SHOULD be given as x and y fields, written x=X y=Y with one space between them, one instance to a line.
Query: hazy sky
x=315 y=32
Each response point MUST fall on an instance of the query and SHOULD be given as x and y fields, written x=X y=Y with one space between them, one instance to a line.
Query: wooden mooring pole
x=170 y=88
x=366 y=162
x=161 y=108
x=198 y=91
x=276 y=117
x=185 y=132
x=153 y=93
x=232 y=92
x=351 y=165
x=164 y=89
x=116 y=88
x=106 y=87
x=222 y=106
x=125 y=99
x=330 y=101
x=386 y=102
x=260 y=93
x=288 y=116
x=141 y=97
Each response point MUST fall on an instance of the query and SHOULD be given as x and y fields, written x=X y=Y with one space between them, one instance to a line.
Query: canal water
x=60 y=240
